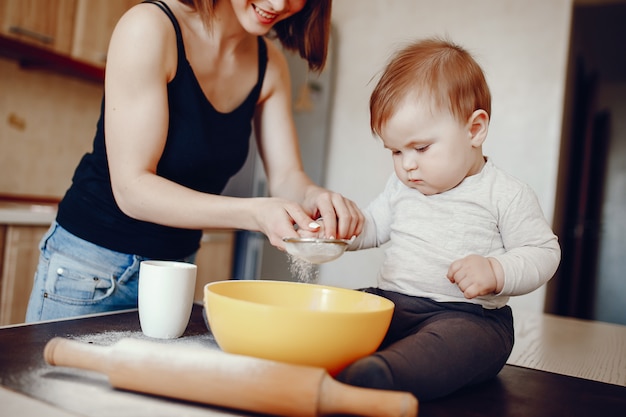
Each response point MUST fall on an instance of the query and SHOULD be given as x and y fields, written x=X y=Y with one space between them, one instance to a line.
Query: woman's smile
x=265 y=16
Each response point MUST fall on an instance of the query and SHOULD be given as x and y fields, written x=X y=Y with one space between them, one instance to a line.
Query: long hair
x=306 y=32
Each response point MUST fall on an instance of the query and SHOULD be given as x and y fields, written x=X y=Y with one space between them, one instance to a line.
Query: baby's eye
x=422 y=148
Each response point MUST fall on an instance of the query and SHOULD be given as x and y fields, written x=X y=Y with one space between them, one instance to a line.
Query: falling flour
x=302 y=270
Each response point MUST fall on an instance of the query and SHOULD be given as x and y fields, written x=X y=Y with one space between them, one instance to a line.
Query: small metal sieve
x=315 y=250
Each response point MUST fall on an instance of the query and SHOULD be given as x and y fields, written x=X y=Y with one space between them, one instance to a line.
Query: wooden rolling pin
x=226 y=380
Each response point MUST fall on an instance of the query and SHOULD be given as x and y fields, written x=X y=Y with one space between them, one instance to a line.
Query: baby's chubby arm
x=476 y=275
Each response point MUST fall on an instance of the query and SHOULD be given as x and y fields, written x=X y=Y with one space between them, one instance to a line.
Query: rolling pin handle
x=338 y=398
x=65 y=352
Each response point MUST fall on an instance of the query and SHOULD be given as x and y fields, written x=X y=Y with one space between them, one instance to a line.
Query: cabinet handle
x=31 y=34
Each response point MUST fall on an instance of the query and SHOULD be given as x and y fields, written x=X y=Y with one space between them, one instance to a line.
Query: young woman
x=185 y=82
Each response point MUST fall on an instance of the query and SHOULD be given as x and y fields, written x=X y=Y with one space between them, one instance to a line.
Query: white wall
x=521 y=44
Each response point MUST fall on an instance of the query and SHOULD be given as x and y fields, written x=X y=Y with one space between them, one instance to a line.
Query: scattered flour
x=90 y=393
x=110 y=337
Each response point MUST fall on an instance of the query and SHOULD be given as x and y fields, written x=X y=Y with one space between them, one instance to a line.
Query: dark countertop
x=87 y=393
x=515 y=392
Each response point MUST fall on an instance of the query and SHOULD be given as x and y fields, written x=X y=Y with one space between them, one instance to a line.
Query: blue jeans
x=75 y=277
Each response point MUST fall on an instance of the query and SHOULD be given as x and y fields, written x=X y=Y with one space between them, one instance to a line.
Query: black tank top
x=204 y=149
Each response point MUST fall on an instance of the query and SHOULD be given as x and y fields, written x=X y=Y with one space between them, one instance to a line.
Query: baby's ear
x=478 y=125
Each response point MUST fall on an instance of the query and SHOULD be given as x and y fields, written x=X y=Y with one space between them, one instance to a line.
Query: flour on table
x=110 y=337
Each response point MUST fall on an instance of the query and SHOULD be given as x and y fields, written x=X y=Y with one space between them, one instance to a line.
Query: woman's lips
x=266 y=17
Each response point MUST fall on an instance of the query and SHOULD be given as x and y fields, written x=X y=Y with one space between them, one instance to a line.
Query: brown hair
x=306 y=32
x=434 y=68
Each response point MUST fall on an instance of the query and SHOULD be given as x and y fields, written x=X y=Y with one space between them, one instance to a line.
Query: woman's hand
x=277 y=217
x=342 y=217
x=278 y=147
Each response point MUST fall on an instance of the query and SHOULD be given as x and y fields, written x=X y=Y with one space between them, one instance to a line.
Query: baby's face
x=432 y=151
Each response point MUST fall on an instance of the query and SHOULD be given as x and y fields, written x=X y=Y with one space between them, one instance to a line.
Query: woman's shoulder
x=274 y=50
x=145 y=21
x=277 y=71
x=144 y=33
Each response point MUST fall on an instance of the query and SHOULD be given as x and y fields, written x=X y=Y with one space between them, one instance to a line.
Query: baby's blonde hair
x=436 y=69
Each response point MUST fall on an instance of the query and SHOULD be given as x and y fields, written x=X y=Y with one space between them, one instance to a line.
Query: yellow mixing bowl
x=300 y=323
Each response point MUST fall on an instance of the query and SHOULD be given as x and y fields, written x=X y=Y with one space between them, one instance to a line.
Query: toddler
x=464 y=235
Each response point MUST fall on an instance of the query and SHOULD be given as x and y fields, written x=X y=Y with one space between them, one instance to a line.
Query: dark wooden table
x=24 y=375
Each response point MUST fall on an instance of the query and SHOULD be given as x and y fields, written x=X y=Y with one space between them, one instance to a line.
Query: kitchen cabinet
x=47 y=24
x=65 y=36
x=19 y=255
x=214 y=259
x=18 y=260
x=95 y=21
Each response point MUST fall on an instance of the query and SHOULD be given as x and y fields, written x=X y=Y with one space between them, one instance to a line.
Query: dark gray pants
x=432 y=349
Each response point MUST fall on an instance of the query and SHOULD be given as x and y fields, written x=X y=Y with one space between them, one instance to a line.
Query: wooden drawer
x=19 y=257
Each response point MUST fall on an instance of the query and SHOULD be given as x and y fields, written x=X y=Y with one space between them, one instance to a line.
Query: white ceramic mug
x=166 y=291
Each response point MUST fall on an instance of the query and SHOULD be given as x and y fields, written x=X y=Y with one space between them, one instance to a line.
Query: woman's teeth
x=264 y=14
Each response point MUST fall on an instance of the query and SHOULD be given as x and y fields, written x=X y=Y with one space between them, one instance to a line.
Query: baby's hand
x=474 y=275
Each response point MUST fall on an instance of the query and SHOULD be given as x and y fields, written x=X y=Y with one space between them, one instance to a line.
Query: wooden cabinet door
x=45 y=23
x=95 y=21
x=214 y=259
x=19 y=263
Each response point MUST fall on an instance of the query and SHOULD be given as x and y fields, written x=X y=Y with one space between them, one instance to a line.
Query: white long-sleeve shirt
x=491 y=214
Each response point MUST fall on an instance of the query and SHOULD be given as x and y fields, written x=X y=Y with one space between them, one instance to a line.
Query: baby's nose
x=409 y=163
